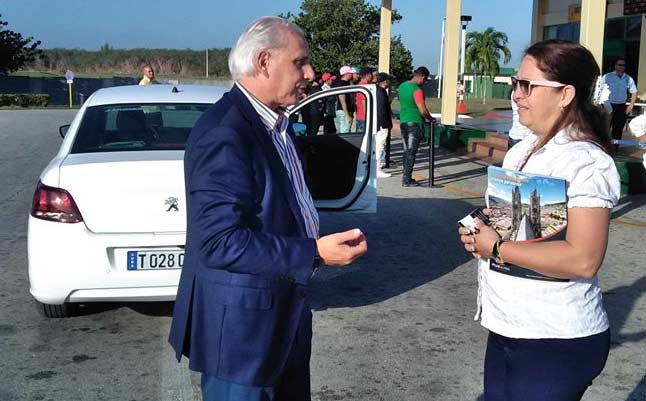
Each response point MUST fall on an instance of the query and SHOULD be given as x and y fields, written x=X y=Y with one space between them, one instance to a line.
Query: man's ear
x=567 y=95
x=262 y=63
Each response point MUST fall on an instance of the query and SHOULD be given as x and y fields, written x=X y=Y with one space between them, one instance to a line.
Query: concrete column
x=384 y=35
x=641 y=73
x=593 y=23
x=451 y=55
x=538 y=6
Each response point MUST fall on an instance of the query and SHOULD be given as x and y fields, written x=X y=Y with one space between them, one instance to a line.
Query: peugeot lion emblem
x=171 y=201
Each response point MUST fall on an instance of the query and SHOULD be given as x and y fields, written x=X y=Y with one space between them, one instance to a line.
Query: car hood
x=127 y=192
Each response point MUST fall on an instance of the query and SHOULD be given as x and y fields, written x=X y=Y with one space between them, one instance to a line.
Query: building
x=624 y=29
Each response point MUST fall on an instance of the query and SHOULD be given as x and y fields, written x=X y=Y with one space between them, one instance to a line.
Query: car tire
x=57 y=311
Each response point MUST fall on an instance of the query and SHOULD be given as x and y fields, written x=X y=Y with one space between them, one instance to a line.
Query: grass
x=475 y=107
x=49 y=74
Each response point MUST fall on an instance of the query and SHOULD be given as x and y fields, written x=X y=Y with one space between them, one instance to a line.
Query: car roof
x=157 y=94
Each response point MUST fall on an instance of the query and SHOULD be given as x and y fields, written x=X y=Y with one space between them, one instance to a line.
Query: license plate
x=155 y=260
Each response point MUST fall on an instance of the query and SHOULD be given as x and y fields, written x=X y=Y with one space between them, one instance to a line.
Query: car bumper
x=68 y=263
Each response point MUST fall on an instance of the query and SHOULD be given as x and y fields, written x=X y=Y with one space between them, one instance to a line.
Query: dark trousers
x=618 y=120
x=542 y=369
x=294 y=383
x=328 y=125
x=412 y=134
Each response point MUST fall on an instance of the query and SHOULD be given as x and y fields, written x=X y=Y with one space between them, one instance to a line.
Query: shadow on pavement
x=411 y=242
x=619 y=303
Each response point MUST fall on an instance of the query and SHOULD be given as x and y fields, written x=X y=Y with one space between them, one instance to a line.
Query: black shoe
x=410 y=183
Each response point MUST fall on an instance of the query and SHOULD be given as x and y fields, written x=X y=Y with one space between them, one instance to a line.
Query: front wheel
x=57 y=311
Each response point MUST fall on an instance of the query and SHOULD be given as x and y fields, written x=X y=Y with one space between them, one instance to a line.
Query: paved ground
x=396 y=325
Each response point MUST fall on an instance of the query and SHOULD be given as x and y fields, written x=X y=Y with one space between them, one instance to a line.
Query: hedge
x=24 y=99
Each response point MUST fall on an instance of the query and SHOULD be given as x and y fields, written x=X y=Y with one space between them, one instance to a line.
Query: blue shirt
x=619 y=87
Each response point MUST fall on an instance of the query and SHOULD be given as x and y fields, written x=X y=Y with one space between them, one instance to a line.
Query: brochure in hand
x=525 y=207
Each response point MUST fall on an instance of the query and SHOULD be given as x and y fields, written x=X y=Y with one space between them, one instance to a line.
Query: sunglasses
x=526 y=85
x=620 y=65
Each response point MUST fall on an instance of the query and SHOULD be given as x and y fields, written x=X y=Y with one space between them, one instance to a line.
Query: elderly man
x=149 y=76
x=252 y=242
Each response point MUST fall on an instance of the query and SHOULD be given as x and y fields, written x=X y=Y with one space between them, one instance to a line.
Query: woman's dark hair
x=572 y=64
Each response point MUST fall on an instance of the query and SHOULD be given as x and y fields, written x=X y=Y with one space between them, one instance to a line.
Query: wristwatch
x=495 y=252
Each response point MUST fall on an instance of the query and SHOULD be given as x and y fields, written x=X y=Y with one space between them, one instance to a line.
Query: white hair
x=263 y=34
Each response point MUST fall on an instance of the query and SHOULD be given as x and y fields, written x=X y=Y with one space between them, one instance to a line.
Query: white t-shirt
x=637 y=127
x=523 y=308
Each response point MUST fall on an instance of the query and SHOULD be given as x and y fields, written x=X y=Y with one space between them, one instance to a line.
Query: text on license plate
x=151 y=260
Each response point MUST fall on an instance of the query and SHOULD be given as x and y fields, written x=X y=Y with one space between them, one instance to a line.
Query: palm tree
x=483 y=51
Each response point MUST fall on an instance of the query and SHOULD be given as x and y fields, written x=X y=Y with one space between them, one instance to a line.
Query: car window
x=136 y=127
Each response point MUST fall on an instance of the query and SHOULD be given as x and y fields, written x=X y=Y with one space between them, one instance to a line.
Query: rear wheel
x=57 y=311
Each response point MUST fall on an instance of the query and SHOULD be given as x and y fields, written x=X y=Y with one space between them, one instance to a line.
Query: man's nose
x=308 y=72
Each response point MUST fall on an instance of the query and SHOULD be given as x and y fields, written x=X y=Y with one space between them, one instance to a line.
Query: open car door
x=339 y=163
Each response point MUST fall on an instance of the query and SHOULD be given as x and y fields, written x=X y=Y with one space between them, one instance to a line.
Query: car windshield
x=136 y=127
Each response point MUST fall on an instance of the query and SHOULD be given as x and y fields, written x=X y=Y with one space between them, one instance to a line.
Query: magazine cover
x=525 y=207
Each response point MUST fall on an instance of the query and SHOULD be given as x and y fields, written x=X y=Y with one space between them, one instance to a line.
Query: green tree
x=15 y=51
x=483 y=51
x=346 y=32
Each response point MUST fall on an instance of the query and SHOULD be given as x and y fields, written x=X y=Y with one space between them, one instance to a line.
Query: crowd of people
x=253 y=243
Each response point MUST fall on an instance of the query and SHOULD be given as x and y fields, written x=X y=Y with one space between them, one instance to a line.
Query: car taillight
x=54 y=204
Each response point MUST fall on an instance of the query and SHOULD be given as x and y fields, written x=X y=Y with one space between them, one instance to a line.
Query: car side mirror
x=299 y=128
x=63 y=130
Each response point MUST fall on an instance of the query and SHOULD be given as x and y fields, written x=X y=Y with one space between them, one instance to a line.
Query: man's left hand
x=629 y=108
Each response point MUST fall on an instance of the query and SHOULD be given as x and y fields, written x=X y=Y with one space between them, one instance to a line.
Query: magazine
x=525 y=207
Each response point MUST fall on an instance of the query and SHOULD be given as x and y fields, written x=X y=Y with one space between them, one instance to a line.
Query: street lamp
x=464 y=19
x=461 y=107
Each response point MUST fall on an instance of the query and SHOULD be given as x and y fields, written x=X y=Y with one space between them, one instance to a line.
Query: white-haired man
x=252 y=242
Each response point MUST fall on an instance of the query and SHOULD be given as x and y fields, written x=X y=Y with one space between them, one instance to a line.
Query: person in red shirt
x=366 y=78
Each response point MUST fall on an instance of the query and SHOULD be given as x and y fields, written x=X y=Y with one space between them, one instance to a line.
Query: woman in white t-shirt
x=549 y=339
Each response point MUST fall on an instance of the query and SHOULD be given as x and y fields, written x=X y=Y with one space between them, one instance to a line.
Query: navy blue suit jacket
x=248 y=259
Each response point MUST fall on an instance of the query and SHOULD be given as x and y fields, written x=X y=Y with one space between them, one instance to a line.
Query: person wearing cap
x=329 y=112
x=356 y=75
x=412 y=114
x=384 y=122
x=345 y=106
x=360 y=99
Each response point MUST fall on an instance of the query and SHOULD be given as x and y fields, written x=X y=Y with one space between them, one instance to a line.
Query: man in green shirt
x=412 y=114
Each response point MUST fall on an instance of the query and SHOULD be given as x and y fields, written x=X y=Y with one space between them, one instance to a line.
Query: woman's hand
x=479 y=244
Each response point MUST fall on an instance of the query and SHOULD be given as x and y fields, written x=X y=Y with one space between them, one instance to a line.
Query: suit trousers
x=293 y=385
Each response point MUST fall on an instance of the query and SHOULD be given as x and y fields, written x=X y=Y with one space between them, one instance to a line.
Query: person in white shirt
x=548 y=339
x=637 y=127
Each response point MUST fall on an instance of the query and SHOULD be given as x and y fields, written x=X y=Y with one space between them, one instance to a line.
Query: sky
x=200 y=24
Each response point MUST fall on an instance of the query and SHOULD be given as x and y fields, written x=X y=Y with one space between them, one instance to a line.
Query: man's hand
x=348 y=118
x=629 y=108
x=341 y=249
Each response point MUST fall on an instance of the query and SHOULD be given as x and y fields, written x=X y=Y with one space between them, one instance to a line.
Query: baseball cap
x=382 y=76
x=326 y=76
x=345 y=70
x=422 y=71
x=356 y=70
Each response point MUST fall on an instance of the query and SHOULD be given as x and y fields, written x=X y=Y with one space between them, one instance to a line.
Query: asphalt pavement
x=395 y=325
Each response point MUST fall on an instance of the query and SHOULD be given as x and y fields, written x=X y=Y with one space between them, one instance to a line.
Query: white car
x=108 y=219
